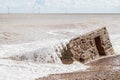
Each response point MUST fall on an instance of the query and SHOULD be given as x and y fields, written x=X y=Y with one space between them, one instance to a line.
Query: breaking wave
x=34 y=52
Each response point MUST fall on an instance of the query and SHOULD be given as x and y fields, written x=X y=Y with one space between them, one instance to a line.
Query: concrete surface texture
x=87 y=47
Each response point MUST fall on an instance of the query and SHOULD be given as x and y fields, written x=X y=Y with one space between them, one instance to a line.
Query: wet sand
x=102 y=69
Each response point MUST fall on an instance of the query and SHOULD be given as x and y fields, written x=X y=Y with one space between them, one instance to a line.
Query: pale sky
x=59 y=6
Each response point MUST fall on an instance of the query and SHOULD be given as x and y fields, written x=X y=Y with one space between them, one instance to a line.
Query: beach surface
x=102 y=69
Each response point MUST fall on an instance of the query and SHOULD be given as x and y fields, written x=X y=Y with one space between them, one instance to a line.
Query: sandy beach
x=102 y=69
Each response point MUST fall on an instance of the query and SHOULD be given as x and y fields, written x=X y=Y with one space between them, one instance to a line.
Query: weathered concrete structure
x=88 y=47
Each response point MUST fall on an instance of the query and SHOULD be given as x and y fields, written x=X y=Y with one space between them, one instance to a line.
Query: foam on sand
x=32 y=60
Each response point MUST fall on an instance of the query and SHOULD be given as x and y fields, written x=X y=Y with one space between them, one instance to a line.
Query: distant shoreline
x=60 y=13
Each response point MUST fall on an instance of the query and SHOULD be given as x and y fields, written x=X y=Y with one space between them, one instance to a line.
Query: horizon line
x=62 y=13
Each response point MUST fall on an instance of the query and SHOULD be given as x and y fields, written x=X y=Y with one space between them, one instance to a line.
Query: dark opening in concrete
x=100 y=49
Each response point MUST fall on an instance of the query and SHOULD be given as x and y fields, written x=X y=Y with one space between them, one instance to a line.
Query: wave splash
x=34 y=52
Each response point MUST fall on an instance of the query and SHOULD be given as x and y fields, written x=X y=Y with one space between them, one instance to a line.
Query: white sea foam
x=32 y=60
x=28 y=67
